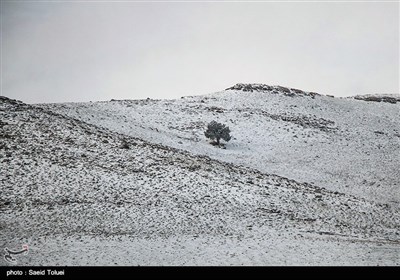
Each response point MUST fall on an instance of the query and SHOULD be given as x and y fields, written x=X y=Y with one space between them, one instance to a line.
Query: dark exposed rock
x=124 y=145
x=272 y=89
x=10 y=101
x=215 y=109
x=370 y=98
x=2 y=123
x=303 y=120
x=284 y=89
x=378 y=98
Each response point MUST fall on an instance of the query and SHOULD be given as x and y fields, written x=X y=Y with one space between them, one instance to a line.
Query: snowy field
x=306 y=180
x=266 y=248
x=344 y=145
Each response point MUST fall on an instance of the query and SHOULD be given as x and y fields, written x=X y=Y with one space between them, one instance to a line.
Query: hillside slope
x=80 y=194
x=345 y=145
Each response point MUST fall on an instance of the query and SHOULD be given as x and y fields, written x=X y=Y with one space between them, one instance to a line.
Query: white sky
x=82 y=51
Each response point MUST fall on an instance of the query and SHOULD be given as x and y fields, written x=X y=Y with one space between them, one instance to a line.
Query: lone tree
x=217 y=131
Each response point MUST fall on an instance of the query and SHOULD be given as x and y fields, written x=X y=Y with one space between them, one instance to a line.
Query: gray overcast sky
x=82 y=51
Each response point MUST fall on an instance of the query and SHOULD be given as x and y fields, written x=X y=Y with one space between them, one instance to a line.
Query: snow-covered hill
x=102 y=184
x=344 y=145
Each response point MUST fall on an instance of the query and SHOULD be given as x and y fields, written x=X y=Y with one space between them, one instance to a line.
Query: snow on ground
x=80 y=194
x=344 y=145
x=266 y=248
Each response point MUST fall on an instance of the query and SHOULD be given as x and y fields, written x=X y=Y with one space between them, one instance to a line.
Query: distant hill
x=341 y=144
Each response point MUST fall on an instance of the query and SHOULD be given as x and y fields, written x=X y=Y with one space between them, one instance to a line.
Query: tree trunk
x=217 y=141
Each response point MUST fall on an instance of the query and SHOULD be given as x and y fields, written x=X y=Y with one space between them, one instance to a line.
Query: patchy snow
x=104 y=194
x=266 y=248
x=343 y=145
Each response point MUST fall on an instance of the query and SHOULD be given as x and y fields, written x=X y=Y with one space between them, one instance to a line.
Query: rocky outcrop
x=272 y=89
x=393 y=98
